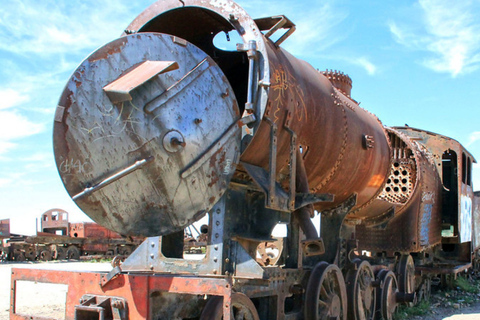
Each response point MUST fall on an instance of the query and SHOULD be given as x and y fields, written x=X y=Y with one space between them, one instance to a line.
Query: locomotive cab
x=454 y=166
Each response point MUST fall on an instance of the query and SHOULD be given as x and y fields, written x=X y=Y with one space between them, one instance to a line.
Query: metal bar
x=443 y=269
x=178 y=86
x=137 y=165
x=280 y=24
x=272 y=174
x=251 y=53
x=293 y=166
x=277 y=26
x=227 y=303
x=285 y=36
x=210 y=150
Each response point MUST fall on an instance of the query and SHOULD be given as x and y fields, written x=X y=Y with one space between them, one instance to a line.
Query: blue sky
x=414 y=62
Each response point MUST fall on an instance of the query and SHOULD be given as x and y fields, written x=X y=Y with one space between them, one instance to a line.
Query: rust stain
x=107 y=51
x=214 y=180
x=118 y=216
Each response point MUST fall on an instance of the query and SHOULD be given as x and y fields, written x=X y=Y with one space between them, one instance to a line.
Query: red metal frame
x=136 y=289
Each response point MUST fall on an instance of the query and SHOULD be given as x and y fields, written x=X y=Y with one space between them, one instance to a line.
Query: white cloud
x=316 y=29
x=51 y=27
x=366 y=64
x=10 y=98
x=15 y=126
x=6 y=146
x=39 y=161
x=474 y=137
x=450 y=31
x=5 y=182
x=316 y=23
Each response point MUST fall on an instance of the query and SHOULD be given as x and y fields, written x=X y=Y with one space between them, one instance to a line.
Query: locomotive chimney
x=339 y=80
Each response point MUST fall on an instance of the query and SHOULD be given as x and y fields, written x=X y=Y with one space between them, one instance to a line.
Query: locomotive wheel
x=45 y=255
x=73 y=253
x=242 y=308
x=406 y=275
x=126 y=251
x=326 y=296
x=386 y=295
x=30 y=254
x=425 y=290
x=19 y=256
x=360 y=292
x=61 y=253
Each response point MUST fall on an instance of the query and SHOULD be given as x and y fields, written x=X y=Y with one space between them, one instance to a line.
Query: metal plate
x=147 y=173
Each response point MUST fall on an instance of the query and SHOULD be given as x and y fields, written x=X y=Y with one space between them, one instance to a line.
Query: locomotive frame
x=394 y=210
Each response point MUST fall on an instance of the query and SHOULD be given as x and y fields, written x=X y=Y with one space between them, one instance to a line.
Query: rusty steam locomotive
x=159 y=128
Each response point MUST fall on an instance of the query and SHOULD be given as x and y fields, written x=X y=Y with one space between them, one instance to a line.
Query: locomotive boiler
x=159 y=128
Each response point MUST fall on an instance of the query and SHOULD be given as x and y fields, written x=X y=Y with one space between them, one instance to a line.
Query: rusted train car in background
x=160 y=128
x=59 y=239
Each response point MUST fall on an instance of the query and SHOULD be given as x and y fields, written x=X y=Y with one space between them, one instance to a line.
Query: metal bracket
x=275 y=197
x=101 y=307
x=273 y=24
x=110 y=276
x=304 y=199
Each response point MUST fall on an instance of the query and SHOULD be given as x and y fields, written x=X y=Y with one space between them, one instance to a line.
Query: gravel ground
x=48 y=300
x=452 y=305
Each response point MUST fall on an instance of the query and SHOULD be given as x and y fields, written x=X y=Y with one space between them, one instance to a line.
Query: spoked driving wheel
x=386 y=295
x=360 y=291
x=242 y=308
x=424 y=290
x=406 y=275
x=326 y=296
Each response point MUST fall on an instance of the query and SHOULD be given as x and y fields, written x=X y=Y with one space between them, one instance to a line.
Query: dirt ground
x=48 y=300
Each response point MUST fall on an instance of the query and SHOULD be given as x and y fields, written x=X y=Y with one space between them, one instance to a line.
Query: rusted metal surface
x=458 y=188
x=138 y=290
x=91 y=230
x=58 y=239
x=311 y=107
x=407 y=215
x=453 y=268
x=54 y=220
x=4 y=228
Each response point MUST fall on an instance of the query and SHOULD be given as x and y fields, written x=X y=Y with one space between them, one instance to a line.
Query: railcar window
x=464 y=168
